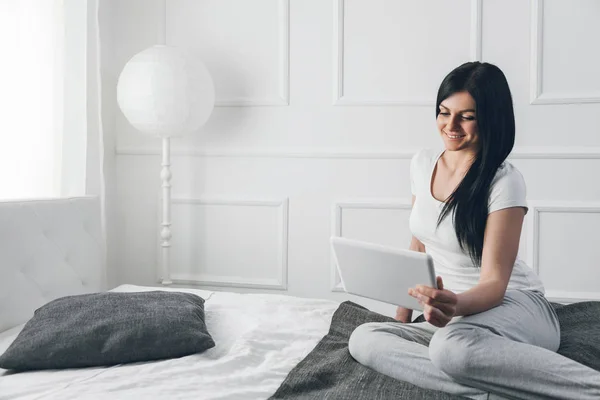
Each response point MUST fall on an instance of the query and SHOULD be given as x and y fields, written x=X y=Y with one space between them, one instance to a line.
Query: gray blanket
x=329 y=372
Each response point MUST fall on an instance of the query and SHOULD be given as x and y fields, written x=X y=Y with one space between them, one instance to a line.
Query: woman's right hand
x=403 y=314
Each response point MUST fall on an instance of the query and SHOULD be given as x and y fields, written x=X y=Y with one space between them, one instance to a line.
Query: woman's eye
x=468 y=118
x=444 y=113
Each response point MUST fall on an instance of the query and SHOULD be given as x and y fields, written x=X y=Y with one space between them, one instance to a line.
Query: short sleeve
x=508 y=190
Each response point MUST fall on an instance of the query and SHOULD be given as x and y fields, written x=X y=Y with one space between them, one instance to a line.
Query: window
x=30 y=98
x=43 y=88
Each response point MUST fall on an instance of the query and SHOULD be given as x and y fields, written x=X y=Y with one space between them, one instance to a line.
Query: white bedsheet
x=259 y=339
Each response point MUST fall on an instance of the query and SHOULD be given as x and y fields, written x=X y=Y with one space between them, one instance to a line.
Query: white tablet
x=382 y=273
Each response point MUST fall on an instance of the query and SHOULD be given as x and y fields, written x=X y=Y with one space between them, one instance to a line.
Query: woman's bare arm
x=500 y=247
x=405 y=314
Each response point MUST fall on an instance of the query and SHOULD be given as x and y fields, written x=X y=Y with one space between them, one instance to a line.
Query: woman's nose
x=452 y=124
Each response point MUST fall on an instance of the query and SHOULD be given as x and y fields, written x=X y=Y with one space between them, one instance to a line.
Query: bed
x=267 y=345
x=54 y=248
x=252 y=356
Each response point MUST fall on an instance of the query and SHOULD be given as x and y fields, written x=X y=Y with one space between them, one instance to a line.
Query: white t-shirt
x=451 y=263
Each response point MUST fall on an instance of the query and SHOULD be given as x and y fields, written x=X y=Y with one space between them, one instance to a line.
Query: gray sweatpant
x=509 y=351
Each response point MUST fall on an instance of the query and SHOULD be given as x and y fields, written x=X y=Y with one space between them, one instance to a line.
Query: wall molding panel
x=339 y=99
x=320 y=107
x=283 y=97
x=277 y=282
x=536 y=208
x=337 y=222
x=527 y=153
x=537 y=94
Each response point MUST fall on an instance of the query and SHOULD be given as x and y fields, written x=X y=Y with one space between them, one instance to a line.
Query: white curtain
x=31 y=98
x=50 y=125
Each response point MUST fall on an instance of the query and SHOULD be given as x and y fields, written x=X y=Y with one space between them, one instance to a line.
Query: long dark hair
x=496 y=126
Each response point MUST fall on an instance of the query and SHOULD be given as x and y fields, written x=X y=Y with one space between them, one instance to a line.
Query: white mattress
x=259 y=339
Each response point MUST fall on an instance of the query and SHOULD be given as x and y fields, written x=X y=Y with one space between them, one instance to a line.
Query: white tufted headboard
x=48 y=249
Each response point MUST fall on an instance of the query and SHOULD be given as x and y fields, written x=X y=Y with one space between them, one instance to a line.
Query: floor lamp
x=165 y=92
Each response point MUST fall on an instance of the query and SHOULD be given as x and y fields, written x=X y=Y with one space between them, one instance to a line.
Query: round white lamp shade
x=165 y=92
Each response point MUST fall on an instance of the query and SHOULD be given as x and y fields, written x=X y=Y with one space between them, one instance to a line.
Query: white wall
x=321 y=104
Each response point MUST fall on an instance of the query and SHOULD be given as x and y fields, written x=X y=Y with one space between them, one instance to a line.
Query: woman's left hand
x=439 y=304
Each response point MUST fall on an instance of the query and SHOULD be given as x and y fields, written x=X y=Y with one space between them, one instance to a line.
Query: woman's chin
x=453 y=144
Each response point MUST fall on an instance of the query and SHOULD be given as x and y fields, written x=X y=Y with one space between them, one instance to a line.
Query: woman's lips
x=454 y=137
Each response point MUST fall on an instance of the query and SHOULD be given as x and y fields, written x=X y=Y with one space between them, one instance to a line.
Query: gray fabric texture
x=110 y=328
x=580 y=332
x=329 y=371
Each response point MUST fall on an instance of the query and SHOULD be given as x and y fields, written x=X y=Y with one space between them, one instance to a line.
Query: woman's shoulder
x=507 y=173
x=425 y=157
x=508 y=188
x=420 y=169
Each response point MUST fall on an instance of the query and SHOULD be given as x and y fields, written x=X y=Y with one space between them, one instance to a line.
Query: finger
x=427 y=291
x=435 y=317
x=447 y=309
x=440 y=283
x=440 y=317
x=422 y=298
x=413 y=292
x=443 y=296
x=431 y=316
x=427 y=314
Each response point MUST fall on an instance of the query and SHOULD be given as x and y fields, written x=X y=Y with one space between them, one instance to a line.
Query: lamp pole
x=165 y=232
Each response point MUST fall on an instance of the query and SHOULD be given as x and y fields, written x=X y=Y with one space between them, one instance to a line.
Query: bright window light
x=31 y=98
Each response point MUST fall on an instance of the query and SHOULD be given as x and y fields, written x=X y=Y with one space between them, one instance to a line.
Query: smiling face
x=457 y=124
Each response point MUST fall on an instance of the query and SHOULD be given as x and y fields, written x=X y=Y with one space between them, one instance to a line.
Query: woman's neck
x=458 y=161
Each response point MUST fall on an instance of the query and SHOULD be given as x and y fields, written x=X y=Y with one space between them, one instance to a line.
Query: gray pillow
x=110 y=328
x=580 y=332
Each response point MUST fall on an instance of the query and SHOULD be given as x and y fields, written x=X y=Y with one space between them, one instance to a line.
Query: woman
x=489 y=328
